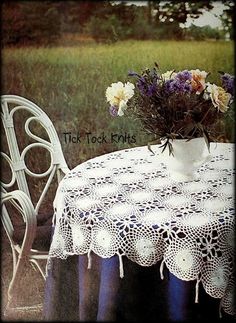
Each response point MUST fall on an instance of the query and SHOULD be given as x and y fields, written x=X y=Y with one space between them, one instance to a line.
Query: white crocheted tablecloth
x=126 y=204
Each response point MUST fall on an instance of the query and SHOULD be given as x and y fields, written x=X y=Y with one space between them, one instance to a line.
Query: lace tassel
x=121 y=266
x=161 y=269
x=89 y=259
x=197 y=290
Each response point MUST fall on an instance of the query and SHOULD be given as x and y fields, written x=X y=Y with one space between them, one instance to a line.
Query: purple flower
x=142 y=86
x=169 y=86
x=184 y=76
x=174 y=86
x=187 y=87
x=113 y=110
x=177 y=86
x=151 y=89
x=228 y=83
x=180 y=84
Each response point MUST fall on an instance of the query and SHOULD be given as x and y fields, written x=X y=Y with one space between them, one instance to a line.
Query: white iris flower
x=118 y=95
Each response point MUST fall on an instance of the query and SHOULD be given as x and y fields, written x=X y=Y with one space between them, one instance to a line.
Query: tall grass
x=69 y=83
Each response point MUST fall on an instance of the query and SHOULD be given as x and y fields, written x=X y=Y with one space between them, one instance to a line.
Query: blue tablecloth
x=75 y=293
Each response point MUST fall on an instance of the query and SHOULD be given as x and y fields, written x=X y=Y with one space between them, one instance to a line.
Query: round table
x=122 y=213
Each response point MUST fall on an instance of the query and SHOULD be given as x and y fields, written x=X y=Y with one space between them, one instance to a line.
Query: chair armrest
x=23 y=204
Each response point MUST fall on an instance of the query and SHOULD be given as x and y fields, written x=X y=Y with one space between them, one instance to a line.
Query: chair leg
x=12 y=310
x=18 y=274
x=10 y=298
x=35 y=262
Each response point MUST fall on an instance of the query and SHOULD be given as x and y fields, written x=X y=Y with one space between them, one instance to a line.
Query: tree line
x=44 y=22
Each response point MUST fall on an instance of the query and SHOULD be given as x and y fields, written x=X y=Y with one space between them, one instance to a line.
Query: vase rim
x=186 y=139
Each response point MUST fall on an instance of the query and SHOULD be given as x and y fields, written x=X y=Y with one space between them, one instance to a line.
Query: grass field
x=69 y=83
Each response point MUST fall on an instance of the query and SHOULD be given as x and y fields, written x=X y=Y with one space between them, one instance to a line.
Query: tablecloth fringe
x=161 y=269
x=121 y=267
x=89 y=259
x=197 y=290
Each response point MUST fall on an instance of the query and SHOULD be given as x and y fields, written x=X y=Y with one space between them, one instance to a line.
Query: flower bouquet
x=173 y=105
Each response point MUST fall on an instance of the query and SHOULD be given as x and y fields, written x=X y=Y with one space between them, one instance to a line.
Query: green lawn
x=69 y=83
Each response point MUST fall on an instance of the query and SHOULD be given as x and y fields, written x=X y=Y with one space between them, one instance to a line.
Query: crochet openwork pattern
x=125 y=203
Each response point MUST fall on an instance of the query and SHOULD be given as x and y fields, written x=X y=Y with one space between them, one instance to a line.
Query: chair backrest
x=16 y=158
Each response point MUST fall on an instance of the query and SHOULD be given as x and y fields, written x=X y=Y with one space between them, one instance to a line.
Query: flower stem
x=205 y=115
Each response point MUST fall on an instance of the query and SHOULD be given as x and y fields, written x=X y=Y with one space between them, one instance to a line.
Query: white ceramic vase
x=187 y=157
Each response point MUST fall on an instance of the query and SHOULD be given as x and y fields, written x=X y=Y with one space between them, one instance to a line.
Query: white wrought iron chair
x=16 y=192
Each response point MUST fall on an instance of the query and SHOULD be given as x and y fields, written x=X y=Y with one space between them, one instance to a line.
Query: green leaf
x=207 y=139
x=149 y=148
x=171 y=151
x=188 y=129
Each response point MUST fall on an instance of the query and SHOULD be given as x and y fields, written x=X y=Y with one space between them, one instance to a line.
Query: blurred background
x=62 y=55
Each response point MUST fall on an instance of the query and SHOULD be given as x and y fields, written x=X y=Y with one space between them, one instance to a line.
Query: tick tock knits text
x=102 y=138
